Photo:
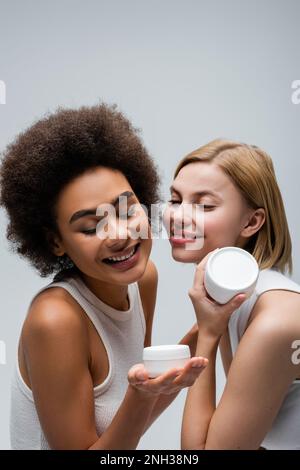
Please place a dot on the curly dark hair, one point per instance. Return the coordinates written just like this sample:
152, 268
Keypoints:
48, 155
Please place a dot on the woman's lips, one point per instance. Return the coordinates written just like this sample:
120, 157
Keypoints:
128, 263
182, 241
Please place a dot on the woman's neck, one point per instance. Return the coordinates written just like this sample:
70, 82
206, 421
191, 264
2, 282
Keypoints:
111, 294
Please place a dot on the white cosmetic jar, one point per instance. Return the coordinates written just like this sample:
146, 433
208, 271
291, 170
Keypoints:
230, 271
159, 359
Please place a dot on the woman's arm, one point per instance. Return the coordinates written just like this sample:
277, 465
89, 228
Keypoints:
258, 379
163, 401
225, 350
148, 289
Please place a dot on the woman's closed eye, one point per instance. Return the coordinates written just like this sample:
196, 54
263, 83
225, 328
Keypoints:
173, 201
205, 206
89, 232
130, 213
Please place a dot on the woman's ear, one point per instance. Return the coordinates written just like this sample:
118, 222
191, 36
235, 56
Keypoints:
57, 249
55, 244
255, 221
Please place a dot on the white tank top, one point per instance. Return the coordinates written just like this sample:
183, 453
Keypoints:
122, 333
285, 431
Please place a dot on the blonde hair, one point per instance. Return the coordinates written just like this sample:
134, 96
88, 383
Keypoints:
251, 170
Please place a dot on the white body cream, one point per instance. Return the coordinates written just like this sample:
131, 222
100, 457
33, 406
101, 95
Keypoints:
160, 359
230, 271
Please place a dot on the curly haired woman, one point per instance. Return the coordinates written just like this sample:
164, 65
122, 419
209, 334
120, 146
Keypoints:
85, 330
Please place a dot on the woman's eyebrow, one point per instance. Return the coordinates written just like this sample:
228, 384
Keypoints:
84, 212
197, 193
173, 190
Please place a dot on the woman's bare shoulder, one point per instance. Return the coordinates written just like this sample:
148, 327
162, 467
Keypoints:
279, 308
53, 312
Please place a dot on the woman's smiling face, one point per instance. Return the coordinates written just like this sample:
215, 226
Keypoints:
225, 212
92, 251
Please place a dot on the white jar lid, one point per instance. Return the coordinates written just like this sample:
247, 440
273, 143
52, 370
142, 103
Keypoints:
232, 268
167, 351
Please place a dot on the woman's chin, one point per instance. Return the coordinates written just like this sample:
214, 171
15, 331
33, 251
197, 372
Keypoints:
185, 256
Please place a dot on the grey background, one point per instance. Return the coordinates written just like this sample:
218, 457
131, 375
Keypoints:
185, 72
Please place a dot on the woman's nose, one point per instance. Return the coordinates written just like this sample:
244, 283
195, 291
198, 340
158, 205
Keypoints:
182, 216
118, 231
116, 245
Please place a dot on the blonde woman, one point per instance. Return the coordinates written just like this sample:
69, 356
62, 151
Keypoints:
260, 405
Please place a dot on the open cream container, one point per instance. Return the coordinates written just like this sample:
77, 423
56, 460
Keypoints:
159, 359
230, 271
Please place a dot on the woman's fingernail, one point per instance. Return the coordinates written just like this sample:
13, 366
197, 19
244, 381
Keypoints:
197, 365
140, 376
238, 301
